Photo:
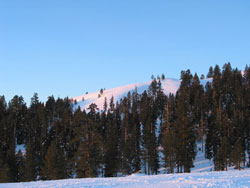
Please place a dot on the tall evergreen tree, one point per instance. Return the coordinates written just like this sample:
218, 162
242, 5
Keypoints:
185, 129
111, 159
148, 117
54, 164
169, 136
34, 147
238, 154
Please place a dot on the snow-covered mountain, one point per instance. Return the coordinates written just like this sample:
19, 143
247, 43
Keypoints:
168, 86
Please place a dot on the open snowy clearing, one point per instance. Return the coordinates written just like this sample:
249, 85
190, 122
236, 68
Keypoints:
205, 179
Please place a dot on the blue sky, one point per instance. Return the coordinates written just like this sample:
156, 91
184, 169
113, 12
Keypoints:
65, 48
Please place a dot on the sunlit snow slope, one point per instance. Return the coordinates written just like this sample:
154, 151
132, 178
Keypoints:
204, 179
168, 86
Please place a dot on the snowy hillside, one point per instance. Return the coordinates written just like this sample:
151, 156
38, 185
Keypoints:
168, 86
204, 179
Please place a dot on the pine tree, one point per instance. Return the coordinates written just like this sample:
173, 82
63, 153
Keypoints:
136, 133
88, 156
83, 162
20, 165
196, 102
14, 134
54, 163
148, 117
169, 136
125, 139
214, 114
163, 76
237, 154
111, 159
90, 151
185, 129
76, 134
246, 107
210, 73
30, 173
221, 158
169, 144
35, 148
18, 111
5, 173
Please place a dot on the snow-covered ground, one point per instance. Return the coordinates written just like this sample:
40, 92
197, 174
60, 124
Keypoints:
168, 86
201, 164
227, 179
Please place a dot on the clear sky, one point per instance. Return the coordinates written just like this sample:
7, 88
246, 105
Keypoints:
67, 47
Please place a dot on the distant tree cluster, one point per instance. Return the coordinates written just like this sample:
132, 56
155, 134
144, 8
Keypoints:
140, 133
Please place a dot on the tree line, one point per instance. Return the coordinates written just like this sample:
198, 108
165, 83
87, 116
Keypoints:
140, 133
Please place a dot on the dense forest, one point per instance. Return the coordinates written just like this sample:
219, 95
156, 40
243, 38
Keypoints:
140, 133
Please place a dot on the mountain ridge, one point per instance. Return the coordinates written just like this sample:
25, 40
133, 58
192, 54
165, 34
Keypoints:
169, 85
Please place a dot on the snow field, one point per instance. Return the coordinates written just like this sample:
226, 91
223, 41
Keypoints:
226, 179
